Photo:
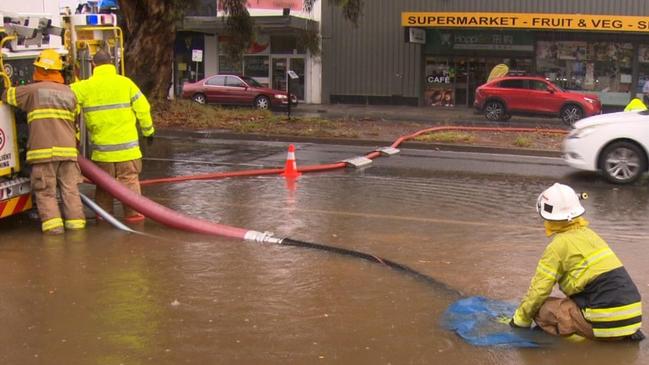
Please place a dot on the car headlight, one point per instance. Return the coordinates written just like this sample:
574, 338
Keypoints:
280, 96
581, 133
592, 101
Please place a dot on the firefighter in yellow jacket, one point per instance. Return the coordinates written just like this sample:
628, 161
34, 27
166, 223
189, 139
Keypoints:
112, 105
51, 146
602, 301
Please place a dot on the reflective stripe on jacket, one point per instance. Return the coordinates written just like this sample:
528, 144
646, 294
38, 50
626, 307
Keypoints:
51, 115
111, 105
582, 263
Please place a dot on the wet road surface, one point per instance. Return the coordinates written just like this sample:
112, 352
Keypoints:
468, 220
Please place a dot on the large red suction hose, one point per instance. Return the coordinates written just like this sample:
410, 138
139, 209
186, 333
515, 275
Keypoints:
170, 218
156, 211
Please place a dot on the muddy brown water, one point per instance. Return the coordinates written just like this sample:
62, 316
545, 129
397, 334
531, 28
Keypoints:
106, 297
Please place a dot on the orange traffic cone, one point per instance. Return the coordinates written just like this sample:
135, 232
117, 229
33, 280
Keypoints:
290, 169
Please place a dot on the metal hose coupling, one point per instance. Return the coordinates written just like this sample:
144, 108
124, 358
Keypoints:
583, 195
262, 237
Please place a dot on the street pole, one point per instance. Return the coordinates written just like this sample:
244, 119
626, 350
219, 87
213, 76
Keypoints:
288, 79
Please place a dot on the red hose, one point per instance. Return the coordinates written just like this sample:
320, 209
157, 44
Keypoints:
152, 209
338, 165
180, 221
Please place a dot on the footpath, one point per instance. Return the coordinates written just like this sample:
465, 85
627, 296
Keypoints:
460, 115
380, 125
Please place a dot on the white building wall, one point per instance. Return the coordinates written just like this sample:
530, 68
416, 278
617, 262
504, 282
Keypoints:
313, 65
211, 55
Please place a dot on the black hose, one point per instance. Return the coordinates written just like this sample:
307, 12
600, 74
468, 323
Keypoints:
375, 259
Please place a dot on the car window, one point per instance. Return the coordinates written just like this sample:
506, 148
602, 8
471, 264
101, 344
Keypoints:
538, 85
250, 81
513, 84
216, 81
234, 81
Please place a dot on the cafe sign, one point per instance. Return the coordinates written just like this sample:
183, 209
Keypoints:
585, 22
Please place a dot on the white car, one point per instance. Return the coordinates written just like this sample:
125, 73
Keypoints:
615, 144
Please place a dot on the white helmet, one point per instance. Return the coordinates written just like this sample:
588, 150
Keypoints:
559, 203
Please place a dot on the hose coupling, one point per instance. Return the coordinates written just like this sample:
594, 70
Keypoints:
583, 195
262, 237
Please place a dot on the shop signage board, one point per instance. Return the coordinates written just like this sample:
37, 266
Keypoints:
275, 4
585, 22
416, 35
453, 40
197, 55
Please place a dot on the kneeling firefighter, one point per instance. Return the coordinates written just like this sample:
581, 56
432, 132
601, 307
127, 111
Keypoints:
602, 301
52, 145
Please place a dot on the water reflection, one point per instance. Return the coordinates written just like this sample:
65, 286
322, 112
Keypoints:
107, 297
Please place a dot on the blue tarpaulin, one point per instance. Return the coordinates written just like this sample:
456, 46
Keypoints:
479, 321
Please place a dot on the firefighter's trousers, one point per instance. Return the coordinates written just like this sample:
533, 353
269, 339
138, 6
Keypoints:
127, 173
562, 317
45, 178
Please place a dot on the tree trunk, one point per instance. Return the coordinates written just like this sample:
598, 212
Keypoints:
150, 32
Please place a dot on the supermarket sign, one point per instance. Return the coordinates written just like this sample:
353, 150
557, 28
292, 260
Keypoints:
609, 23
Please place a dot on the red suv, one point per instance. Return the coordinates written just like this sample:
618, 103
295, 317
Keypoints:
230, 89
499, 99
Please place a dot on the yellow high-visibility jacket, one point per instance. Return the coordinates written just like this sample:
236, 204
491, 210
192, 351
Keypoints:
590, 273
111, 105
635, 104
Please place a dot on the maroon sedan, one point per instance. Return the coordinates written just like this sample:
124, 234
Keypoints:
230, 89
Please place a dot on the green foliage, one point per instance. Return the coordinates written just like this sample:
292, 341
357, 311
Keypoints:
240, 25
446, 137
239, 28
310, 39
352, 9
523, 141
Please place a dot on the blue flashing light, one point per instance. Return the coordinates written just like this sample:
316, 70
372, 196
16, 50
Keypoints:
92, 19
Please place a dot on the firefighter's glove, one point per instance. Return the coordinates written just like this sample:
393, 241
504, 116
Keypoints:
512, 324
149, 140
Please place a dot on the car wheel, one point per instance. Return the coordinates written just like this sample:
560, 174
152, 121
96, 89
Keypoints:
199, 98
570, 114
623, 162
262, 102
494, 111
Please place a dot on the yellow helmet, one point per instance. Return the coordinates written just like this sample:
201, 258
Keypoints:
49, 59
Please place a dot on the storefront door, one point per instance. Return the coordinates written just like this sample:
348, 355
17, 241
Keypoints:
470, 73
279, 77
473, 72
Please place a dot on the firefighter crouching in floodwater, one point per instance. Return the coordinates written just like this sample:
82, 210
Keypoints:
51, 109
111, 106
602, 301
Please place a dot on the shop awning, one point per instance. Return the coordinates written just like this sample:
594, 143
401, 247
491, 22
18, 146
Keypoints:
269, 24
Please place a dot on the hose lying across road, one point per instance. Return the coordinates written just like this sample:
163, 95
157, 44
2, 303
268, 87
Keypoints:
173, 219
339, 165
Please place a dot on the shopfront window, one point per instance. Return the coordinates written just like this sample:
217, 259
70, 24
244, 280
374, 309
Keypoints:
228, 66
643, 70
440, 77
601, 67
257, 67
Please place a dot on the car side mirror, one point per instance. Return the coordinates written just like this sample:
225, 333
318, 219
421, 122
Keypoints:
551, 91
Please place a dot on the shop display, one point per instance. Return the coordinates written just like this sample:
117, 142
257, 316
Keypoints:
439, 84
593, 66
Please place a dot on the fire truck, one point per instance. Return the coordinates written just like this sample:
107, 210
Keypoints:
27, 28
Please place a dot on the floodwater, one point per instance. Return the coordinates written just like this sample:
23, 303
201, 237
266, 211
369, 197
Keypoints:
106, 297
